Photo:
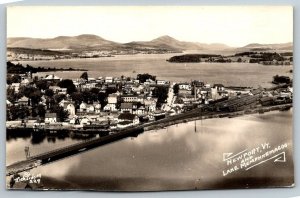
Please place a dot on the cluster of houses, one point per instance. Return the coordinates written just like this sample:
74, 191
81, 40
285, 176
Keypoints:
278, 96
133, 101
198, 92
17, 55
130, 102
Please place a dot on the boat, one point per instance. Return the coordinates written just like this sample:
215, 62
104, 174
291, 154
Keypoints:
83, 149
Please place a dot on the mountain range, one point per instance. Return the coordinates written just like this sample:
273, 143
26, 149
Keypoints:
94, 42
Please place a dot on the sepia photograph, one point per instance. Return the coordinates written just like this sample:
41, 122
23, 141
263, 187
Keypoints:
149, 98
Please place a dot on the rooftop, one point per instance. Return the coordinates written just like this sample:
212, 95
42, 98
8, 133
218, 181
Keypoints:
126, 105
50, 115
126, 116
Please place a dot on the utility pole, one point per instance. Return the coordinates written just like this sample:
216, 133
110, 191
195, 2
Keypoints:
27, 152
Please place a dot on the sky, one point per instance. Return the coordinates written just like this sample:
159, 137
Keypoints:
232, 25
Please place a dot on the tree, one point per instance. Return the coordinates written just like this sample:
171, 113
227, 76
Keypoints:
281, 79
42, 84
49, 92
41, 111
119, 101
16, 112
143, 77
59, 98
111, 90
161, 92
87, 96
61, 114
13, 79
94, 94
32, 93
84, 76
11, 95
102, 98
35, 97
67, 83
77, 97
176, 88
94, 90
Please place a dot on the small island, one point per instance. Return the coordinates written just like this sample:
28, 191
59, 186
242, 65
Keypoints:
264, 58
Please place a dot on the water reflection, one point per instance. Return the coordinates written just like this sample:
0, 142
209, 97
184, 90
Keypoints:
38, 142
183, 156
41, 136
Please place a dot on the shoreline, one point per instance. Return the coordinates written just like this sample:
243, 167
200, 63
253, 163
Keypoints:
259, 110
57, 154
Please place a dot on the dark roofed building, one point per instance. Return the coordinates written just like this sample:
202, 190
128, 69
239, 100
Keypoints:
126, 116
198, 83
256, 91
267, 101
218, 85
126, 107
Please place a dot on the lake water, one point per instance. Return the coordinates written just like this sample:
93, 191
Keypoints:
230, 74
183, 156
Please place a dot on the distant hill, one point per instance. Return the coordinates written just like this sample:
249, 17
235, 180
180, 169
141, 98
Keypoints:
90, 42
171, 43
261, 47
84, 41
94, 42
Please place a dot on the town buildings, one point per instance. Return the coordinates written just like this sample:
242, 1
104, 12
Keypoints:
118, 102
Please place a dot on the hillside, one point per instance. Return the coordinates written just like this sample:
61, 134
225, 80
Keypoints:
62, 42
163, 44
93, 42
262, 47
174, 44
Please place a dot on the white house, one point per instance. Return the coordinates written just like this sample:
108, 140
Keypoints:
25, 82
82, 107
71, 109
112, 99
68, 106
185, 86
109, 79
161, 82
140, 110
90, 108
110, 107
150, 104
50, 118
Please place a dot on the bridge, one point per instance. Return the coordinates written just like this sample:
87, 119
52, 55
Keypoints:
57, 154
